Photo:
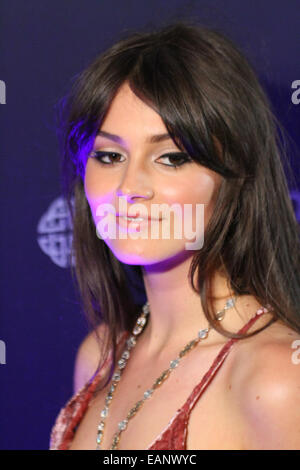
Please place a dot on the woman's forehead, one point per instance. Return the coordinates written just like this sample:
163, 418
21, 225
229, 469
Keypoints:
129, 117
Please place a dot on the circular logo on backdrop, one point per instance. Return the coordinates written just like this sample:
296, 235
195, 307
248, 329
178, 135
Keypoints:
55, 233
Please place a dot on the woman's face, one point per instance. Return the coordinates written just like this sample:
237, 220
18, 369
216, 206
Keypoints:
133, 174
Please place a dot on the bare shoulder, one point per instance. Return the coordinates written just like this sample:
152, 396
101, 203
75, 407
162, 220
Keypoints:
265, 385
87, 357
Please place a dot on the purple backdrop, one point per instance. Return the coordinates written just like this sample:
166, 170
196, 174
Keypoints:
43, 45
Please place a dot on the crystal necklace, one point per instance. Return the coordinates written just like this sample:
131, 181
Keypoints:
131, 342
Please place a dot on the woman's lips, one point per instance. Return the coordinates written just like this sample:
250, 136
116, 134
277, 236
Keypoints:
137, 216
134, 221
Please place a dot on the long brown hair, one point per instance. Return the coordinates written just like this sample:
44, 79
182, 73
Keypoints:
205, 91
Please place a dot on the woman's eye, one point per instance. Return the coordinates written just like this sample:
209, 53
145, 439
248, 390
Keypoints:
179, 159
108, 155
176, 159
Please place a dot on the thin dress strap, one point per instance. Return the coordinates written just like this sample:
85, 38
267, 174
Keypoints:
72, 413
174, 435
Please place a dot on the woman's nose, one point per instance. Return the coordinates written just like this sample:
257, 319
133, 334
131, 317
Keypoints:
135, 184
132, 193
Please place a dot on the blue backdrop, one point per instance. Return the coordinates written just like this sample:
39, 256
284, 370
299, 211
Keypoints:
43, 45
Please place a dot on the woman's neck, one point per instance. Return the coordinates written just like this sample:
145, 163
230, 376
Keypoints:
176, 314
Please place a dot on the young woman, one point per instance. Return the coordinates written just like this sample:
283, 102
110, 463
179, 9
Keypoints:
176, 118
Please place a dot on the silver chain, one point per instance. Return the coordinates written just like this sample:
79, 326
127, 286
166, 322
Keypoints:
131, 342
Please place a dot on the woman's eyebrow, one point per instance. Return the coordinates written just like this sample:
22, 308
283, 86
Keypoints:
152, 139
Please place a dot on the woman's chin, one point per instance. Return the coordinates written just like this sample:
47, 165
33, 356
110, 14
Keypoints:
160, 255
